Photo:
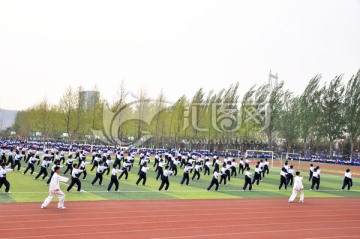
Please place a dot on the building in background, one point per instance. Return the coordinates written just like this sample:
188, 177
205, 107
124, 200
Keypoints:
89, 98
7, 118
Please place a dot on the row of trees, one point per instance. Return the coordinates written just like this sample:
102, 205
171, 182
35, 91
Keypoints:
321, 115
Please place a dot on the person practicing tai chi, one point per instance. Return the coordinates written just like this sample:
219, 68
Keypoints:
311, 172
32, 160
283, 174
198, 167
241, 166
247, 180
298, 188
257, 175
207, 167
142, 175
43, 169
55, 190
223, 174
3, 180
233, 168
114, 179
99, 174
75, 174
215, 181
266, 168
347, 180
290, 176
316, 178
165, 179
186, 177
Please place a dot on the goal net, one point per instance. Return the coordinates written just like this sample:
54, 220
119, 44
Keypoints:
260, 154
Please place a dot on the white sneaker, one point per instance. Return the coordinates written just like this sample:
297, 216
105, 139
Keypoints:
42, 207
301, 201
289, 201
61, 207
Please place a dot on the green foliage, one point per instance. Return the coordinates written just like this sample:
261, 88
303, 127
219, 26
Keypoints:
210, 120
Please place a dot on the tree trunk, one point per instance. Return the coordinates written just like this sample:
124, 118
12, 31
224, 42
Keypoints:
351, 149
331, 150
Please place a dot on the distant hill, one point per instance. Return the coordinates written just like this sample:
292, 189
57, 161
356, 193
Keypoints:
7, 118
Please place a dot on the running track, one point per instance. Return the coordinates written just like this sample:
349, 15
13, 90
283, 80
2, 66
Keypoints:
185, 219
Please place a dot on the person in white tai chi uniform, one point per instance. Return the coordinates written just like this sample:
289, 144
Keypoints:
54, 189
298, 188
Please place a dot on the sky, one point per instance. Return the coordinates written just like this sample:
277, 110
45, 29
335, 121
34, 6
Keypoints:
173, 46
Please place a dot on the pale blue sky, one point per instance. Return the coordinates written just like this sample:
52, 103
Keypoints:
177, 46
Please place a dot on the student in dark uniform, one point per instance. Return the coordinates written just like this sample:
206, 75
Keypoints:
347, 180
17, 161
183, 161
99, 174
2, 155
214, 181
62, 157
159, 169
207, 167
43, 169
241, 166
165, 179
214, 161
32, 160
266, 167
69, 164
10, 158
197, 171
256, 175
97, 159
83, 168
174, 166
228, 168
142, 176
156, 161
186, 177
75, 178
311, 172
247, 180
217, 165
3, 180
233, 168
315, 179
290, 176
114, 179
223, 174
125, 167
118, 159
283, 174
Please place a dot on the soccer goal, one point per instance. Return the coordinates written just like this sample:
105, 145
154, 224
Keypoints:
260, 154
291, 157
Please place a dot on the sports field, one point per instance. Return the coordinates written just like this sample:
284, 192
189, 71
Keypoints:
25, 189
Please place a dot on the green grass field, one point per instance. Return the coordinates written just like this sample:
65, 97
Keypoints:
25, 189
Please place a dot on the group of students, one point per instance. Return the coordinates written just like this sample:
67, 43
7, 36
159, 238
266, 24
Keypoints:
165, 165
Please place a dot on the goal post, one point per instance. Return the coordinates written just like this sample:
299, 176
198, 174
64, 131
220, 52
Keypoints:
291, 156
260, 154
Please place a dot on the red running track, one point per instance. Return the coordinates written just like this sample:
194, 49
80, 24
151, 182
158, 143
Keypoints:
182, 219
